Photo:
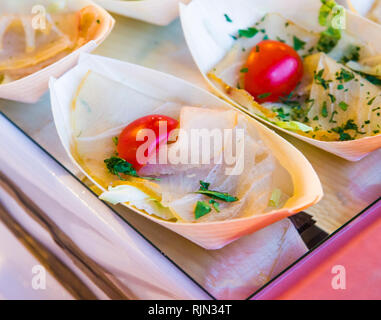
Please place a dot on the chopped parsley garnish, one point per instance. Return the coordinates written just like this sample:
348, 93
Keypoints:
202, 209
280, 40
343, 135
248, 33
371, 79
115, 140
353, 54
117, 166
204, 185
319, 79
332, 97
350, 125
264, 95
345, 75
227, 18
370, 102
244, 70
343, 106
204, 189
298, 43
328, 39
340, 87
281, 114
291, 103
266, 37
324, 111
331, 119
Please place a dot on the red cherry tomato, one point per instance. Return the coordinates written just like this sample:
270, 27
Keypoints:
274, 70
128, 145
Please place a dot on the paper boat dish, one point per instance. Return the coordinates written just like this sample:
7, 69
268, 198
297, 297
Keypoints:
159, 12
306, 187
209, 39
30, 88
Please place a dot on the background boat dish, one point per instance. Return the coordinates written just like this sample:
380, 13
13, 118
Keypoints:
209, 32
160, 12
307, 188
362, 7
370, 9
30, 88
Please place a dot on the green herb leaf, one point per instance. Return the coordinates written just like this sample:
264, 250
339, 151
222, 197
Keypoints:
280, 113
320, 80
115, 140
227, 18
218, 195
248, 33
332, 115
117, 166
345, 75
324, 111
349, 125
332, 97
244, 70
343, 106
298, 43
328, 39
370, 102
204, 185
204, 189
280, 40
264, 95
352, 54
372, 79
202, 209
215, 205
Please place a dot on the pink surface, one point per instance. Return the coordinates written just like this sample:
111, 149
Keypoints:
357, 248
